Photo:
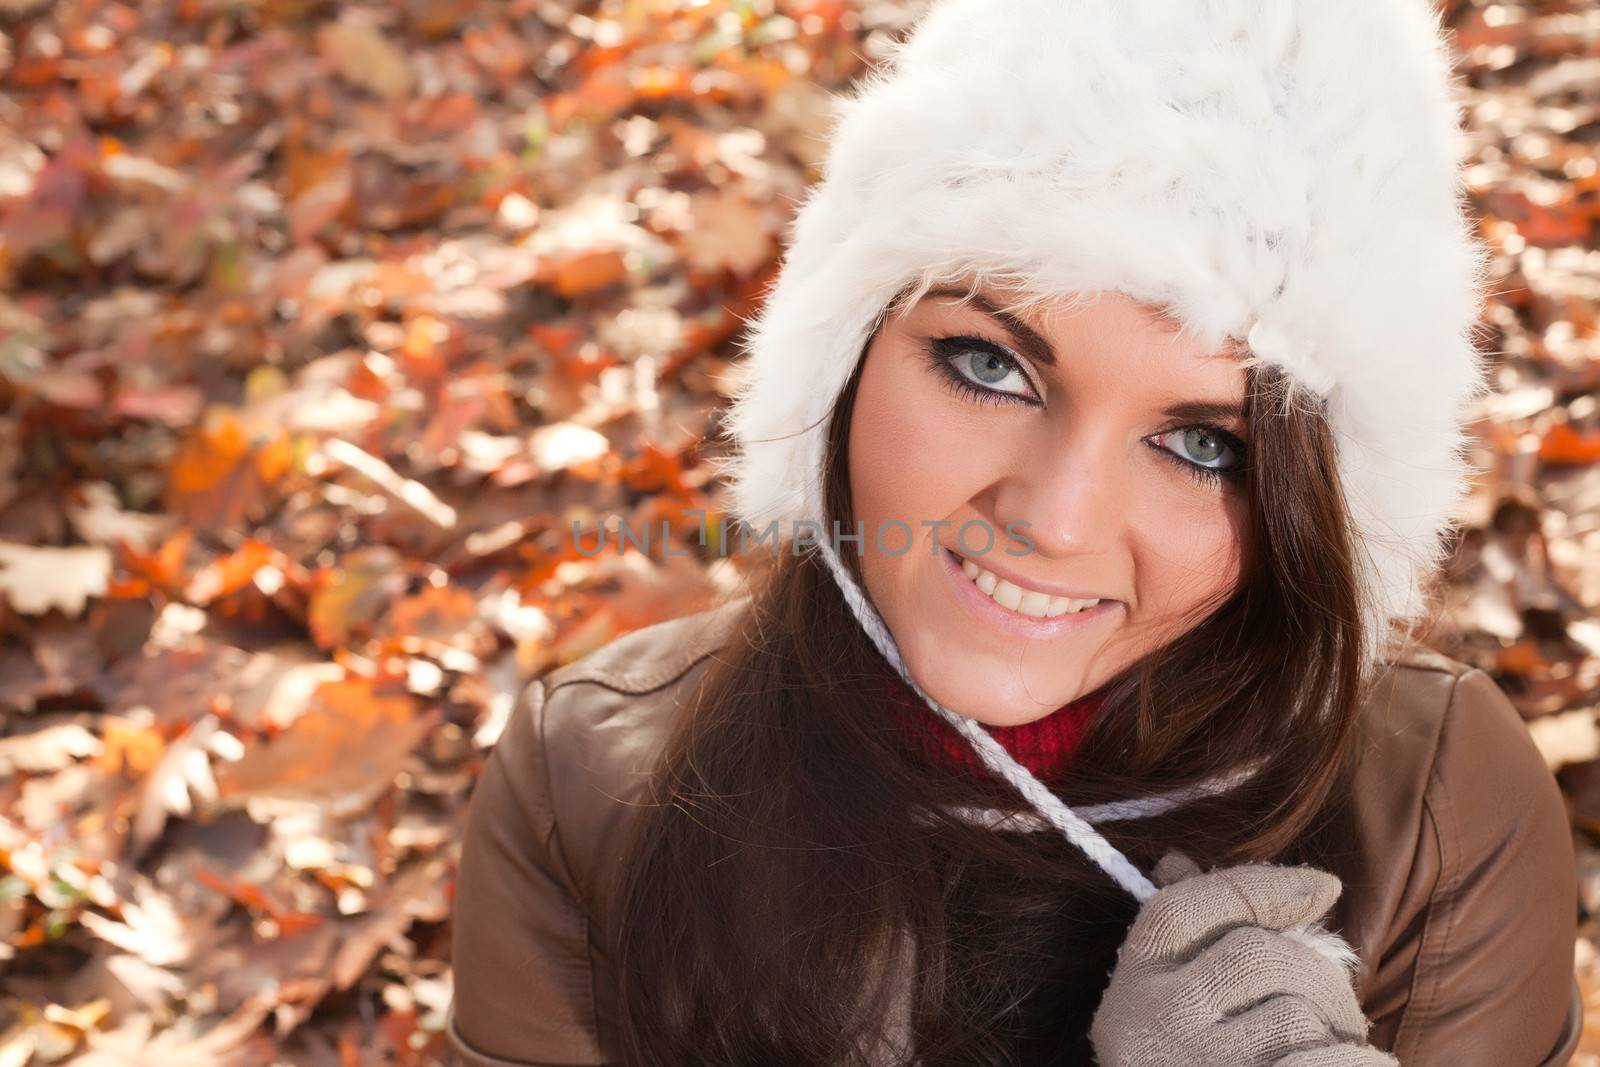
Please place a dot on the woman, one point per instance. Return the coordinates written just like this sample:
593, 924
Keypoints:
1130, 343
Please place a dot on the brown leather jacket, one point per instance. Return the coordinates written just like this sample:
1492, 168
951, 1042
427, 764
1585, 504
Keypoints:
1462, 904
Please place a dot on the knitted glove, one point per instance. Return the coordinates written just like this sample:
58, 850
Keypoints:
1220, 967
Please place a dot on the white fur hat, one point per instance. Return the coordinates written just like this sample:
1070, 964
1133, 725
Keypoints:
1280, 172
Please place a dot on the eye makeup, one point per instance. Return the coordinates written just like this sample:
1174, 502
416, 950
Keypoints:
943, 355
1203, 474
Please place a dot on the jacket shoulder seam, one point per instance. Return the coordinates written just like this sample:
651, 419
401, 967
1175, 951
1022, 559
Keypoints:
709, 634
534, 696
557, 850
633, 684
1420, 999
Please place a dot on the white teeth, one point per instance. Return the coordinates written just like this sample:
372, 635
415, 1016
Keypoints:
1007, 595
1023, 601
1035, 604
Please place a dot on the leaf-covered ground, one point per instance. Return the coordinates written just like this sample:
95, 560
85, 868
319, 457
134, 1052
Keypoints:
320, 325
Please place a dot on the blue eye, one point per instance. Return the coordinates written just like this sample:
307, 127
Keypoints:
980, 370
1209, 453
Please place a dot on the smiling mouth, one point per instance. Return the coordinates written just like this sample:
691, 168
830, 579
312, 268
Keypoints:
1023, 601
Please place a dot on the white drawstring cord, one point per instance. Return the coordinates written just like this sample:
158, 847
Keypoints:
1110, 811
1075, 828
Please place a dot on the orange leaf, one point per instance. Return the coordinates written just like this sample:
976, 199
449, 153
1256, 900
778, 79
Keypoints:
210, 454
231, 573
220, 475
1564, 445
663, 83
655, 471
274, 459
128, 747
585, 272
252, 897
1522, 658
352, 740
558, 340
163, 568
349, 599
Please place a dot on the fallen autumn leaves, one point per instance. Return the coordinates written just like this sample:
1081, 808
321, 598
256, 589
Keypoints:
321, 325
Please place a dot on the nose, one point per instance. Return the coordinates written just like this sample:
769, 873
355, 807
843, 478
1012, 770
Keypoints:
1068, 495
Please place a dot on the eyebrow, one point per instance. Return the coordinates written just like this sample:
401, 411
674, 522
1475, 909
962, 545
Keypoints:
1032, 343
1038, 349
1206, 409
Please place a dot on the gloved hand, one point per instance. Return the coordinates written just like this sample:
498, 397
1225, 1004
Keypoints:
1212, 972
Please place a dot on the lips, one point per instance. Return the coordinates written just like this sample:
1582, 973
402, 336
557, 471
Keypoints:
1025, 601
983, 609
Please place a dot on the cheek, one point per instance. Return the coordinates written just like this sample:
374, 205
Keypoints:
913, 455
1190, 552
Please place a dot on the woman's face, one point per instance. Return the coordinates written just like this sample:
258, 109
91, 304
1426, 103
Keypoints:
1007, 468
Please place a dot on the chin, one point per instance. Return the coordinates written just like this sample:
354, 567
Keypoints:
995, 699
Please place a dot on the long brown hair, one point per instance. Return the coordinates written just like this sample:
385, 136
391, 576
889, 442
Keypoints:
795, 838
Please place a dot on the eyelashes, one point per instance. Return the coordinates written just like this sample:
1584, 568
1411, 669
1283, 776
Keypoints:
942, 352
1210, 475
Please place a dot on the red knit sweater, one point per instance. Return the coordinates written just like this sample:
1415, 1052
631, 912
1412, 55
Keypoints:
1045, 746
